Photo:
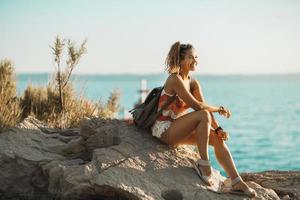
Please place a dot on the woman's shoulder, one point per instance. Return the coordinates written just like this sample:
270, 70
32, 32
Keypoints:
174, 78
171, 82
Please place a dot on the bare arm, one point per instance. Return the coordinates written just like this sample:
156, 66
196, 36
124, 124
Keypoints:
198, 94
188, 98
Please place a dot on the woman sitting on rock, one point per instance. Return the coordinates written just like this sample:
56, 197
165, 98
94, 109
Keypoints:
199, 127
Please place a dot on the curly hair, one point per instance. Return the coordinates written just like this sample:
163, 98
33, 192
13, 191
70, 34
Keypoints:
176, 54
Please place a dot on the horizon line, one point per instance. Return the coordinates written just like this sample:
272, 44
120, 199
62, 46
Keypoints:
161, 73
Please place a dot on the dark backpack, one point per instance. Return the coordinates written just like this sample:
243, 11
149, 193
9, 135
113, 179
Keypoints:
145, 114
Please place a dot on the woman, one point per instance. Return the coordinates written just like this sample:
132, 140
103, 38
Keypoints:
199, 127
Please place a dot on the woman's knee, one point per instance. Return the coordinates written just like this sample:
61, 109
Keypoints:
204, 115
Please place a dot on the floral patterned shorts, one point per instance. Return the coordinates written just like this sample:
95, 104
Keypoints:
159, 127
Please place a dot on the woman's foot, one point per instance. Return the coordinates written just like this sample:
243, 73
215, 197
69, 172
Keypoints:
240, 187
204, 171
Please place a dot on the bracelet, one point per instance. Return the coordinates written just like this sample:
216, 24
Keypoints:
221, 108
219, 128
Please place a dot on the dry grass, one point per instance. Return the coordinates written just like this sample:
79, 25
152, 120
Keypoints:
43, 103
57, 104
112, 106
9, 104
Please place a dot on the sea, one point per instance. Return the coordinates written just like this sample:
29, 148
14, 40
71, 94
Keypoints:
264, 127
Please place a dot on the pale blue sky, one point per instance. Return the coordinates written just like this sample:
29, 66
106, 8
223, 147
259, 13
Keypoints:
134, 36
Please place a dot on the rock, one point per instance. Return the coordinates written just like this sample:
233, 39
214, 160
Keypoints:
21, 154
285, 183
100, 133
97, 133
31, 123
104, 159
75, 146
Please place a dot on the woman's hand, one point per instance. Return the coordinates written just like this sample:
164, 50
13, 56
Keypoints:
223, 134
224, 112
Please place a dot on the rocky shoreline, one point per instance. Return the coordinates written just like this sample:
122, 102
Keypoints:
108, 159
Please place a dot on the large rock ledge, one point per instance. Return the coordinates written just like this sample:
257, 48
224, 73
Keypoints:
284, 183
107, 159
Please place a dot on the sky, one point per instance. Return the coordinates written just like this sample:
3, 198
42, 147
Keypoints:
134, 36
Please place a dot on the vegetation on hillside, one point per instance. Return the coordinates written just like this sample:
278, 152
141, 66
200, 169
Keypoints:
9, 103
57, 104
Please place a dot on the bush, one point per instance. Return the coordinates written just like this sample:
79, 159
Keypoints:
9, 104
43, 103
112, 106
58, 104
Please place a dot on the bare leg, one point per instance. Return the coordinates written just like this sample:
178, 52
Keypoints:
203, 131
183, 127
223, 156
222, 152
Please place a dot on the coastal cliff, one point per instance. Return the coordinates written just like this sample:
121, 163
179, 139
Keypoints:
109, 159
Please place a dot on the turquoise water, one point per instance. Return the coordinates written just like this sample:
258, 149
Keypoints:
265, 122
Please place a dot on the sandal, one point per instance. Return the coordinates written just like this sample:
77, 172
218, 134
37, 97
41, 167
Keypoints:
197, 166
248, 192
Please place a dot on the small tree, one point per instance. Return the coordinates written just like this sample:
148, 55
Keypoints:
74, 55
62, 77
